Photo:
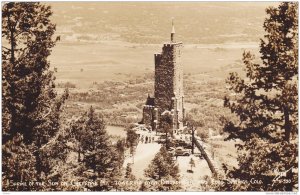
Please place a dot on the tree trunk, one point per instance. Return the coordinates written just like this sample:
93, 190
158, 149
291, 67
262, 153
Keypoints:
38, 163
132, 158
287, 124
287, 128
79, 151
13, 123
166, 139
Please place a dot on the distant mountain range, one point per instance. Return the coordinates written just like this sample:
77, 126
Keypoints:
150, 22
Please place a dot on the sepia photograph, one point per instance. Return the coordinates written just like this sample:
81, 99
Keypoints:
149, 96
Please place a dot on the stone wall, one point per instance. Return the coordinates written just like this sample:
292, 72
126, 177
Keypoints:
178, 81
168, 87
164, 71
148, 115
169, 81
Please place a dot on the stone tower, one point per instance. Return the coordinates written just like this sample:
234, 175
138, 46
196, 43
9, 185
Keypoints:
168, 87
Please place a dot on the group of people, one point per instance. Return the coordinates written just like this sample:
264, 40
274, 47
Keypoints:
146, 139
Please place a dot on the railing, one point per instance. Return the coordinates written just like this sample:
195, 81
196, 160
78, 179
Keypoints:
204, 154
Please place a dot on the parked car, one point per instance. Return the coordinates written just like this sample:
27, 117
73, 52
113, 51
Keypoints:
173, 143
180, 143
171, 150
161, 140
180, 151
188, 146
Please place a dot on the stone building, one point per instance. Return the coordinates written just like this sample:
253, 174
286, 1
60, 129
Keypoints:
168, 87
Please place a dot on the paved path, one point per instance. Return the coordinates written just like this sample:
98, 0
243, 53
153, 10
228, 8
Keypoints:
192, 181
146, 152
143, 157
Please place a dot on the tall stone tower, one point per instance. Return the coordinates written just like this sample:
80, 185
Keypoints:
168, 87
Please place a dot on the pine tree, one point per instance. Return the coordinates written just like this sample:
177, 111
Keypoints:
166, 125
163, 168
128, 174
31, 108
143, 187
100, 157
132, 140
120, 149
77, 131
130, 184
266, 104
18, 165
28, 84
52, 157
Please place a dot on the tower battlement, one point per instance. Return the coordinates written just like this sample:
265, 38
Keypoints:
170, 45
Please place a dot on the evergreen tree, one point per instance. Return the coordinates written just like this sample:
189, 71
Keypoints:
31, 108
167, 125
163, 168
53, 156
18, 165
120, 149
143, 187
132, 140
100, 157
128, 174
28, 84
77, 131
266, 104
130, 180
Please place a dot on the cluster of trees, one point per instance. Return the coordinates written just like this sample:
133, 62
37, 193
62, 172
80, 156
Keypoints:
267, 108
132, 140
100, 161
30, 106
164, 172
34, 142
